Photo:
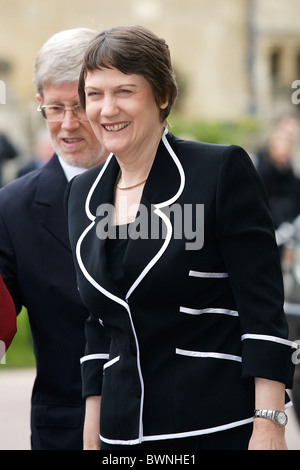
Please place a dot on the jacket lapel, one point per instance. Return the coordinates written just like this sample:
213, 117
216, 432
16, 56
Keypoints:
163, 187
48, 201
90, 248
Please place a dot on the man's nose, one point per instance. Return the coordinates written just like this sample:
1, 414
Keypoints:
70, 121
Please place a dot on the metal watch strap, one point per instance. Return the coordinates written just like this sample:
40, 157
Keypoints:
268, 414
272, 415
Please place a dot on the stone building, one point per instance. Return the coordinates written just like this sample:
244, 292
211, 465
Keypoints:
233, 58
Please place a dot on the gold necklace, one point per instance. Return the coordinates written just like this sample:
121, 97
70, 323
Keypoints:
129, 187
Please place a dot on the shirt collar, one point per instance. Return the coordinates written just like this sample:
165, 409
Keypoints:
70, 170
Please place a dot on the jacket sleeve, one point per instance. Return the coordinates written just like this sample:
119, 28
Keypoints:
96, 355
246, 237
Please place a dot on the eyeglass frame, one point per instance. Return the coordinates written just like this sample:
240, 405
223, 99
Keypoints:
40, 108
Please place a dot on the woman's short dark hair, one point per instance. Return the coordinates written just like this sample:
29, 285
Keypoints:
133, 50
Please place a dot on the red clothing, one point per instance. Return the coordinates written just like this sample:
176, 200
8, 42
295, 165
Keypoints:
8, 318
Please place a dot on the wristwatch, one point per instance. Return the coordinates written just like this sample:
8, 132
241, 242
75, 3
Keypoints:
277, 416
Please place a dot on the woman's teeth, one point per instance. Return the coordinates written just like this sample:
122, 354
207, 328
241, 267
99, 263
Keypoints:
71, 141
116, 127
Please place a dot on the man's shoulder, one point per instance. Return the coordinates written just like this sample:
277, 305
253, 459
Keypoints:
20, 185
20, 190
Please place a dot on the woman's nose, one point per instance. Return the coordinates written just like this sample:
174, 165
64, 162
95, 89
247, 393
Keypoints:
109, 107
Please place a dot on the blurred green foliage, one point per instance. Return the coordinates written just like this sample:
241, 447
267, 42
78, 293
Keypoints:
20, 352
245, 132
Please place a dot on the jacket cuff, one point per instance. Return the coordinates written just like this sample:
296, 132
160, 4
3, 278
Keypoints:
268, 357
92, 374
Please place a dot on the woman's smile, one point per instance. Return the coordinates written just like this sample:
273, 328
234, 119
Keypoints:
116, 127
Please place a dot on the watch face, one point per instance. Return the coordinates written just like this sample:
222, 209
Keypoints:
281, 418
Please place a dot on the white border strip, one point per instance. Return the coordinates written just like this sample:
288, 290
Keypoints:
223, 311
275, 339
215, 355
158, 254
179, 435
208, 275
93, 187
91, 357
110, 363
163, 216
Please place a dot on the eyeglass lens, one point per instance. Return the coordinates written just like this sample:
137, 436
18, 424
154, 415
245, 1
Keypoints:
57, 113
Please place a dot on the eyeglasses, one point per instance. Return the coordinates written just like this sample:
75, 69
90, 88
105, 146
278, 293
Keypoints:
57, 113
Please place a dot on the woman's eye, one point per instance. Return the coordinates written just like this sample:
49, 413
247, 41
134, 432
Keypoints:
90, 94
123, 91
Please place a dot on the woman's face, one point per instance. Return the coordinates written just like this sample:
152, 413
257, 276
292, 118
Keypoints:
122, 111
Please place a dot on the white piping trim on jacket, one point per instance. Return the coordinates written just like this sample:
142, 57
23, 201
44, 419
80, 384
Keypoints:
275, 339
111, 362
163, 216
158, 254
147, 268
180, 170
91, 357
199, 432
207, 275
88, 276
223, 311
115, 299
92, 189
98, 286
215, 355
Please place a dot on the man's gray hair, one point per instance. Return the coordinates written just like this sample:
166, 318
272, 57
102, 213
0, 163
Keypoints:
60, 58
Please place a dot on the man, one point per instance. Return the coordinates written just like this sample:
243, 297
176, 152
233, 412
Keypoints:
35, 257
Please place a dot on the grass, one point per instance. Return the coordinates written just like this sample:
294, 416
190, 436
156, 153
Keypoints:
20, 353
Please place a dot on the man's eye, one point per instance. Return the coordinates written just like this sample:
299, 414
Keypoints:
55, 109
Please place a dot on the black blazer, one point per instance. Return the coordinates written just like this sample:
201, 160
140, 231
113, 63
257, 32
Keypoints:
179, 351
37, 266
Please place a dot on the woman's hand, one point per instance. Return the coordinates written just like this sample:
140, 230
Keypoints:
269, 395
267, 436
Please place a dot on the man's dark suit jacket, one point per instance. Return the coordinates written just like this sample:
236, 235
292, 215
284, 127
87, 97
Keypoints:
37, 267
193, 326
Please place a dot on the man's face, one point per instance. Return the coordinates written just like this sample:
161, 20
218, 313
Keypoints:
73, 140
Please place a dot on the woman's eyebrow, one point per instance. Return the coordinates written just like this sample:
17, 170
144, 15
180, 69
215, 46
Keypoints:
122, 85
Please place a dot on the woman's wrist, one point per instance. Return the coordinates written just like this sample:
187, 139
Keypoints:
267, 425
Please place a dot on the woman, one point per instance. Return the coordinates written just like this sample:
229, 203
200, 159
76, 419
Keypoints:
177, 262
